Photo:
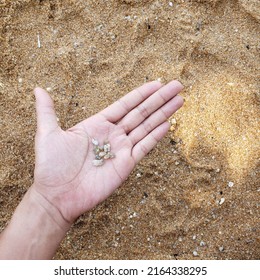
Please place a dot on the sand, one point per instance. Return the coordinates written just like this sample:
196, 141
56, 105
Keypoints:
198, 190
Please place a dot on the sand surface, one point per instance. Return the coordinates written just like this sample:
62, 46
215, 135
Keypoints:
196, 196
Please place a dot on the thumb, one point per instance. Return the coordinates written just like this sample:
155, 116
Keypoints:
46, 116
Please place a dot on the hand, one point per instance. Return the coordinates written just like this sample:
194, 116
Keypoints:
64, 173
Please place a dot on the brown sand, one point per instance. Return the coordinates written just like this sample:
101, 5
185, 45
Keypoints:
199, 189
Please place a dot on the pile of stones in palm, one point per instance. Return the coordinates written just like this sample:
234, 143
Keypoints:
101, 152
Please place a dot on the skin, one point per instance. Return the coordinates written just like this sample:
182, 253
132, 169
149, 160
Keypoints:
66, 184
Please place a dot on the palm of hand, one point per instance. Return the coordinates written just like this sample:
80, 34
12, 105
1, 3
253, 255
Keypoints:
67, 170
64, 173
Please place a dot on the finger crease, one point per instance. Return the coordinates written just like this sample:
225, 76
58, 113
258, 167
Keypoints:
123, 105
143, 111
147, 127
163, 98
143, 149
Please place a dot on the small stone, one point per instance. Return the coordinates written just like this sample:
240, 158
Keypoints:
96, 150
217, 170
109, 155
173, 121
221, 248
180, 239
102, 154
94, 142
195, 253
177, 163
107, 147
170, 4
222, 200
230, 184
194, 237
202, 243
49, 89
20, 80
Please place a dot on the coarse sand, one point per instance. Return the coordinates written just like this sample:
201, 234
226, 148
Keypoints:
198, 190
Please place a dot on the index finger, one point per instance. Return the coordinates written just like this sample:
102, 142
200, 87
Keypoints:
125, 104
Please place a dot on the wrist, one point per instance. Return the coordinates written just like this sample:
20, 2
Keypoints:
35, 230
47, 209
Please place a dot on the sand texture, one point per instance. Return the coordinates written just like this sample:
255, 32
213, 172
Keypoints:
196, 195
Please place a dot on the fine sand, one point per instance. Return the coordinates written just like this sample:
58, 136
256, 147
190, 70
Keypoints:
196, 195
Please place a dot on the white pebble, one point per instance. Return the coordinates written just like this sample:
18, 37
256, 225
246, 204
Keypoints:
194, 237
173, 121
49, 89
94, 142
230, 184
138, 175
102, 154
170, 4
222, 200
195, 253
20, 80
221, 248
38, 41
107, 148
202, 243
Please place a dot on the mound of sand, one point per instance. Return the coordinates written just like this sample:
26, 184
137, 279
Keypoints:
197, 191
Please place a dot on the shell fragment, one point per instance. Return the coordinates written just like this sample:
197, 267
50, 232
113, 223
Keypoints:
107, 148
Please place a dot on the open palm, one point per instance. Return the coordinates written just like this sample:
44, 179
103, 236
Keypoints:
64, 170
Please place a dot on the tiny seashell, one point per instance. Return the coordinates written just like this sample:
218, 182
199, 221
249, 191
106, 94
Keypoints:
98, 162
109, 155
101, 154
112, 155
107, 148
94, 142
